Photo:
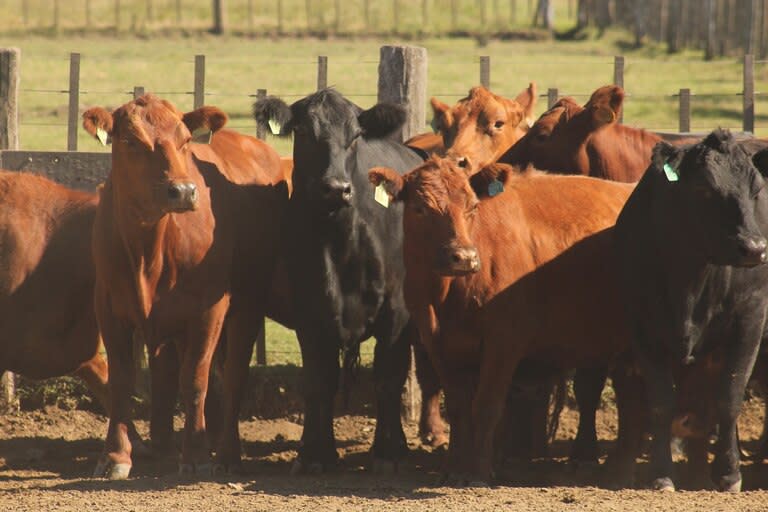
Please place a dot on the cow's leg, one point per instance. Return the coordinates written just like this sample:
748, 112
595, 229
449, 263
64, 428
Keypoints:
632, 407
320, 364
697, 452
202, 336
242, 328
94, 373
487, 408
164, 370
115, 462
740, 358
390, 369
431, 424
460, 385
588, 386
661, 403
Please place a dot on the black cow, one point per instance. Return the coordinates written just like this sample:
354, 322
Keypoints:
344, 257
691, 246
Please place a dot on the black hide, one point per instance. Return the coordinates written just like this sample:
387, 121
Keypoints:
345, 261
691, 254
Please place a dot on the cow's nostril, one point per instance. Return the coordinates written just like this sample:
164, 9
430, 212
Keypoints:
174, 192
456, 257
347, 190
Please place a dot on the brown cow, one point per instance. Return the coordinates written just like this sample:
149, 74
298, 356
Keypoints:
479, 127
491, 280
185, 233
588, 140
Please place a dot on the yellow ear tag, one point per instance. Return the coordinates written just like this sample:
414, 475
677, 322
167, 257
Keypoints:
101, 134
380, 195
202, 135
274, 127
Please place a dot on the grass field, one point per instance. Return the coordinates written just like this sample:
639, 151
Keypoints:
237, 67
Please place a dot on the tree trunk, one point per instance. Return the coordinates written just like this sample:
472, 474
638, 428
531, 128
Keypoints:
709, 14
603, 14
673, 25
544, 12
219, 21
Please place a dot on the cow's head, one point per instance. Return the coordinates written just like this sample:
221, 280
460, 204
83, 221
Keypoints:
151, 152
325, 126
558, 141
480, 127
719, 188
441, 202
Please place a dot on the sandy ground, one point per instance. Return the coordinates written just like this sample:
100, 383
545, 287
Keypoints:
46, 457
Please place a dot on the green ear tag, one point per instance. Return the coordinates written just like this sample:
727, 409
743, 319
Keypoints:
202, 135
101, 134
274, 127
380, 195
495, 188
435, 125
670, 172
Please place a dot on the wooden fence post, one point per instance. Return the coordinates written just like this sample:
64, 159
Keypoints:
552, 95
749, 94
322, 72
9, 98
199, 81
74, 101
403, 80
219, 17
9, 139
618, 78
261, 133
485, 72
685, 110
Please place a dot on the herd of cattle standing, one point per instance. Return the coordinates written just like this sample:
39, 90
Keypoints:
646, 264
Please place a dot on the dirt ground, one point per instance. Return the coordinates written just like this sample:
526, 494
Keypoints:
46, 457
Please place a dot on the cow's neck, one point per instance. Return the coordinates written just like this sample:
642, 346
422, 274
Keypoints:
147, 246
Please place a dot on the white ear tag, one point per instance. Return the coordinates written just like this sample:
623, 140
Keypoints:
101, 134
202, 135
670, 173
380, 195
274, 127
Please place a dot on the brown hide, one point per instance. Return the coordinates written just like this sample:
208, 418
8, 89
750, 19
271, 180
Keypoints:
588, 140
479, 127
185, 234
46, 282
544, 289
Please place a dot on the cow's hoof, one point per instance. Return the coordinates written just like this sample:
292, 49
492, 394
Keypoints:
300, 467
727, 486
111, 470
433, 440
227, 469
663, 484
384, 466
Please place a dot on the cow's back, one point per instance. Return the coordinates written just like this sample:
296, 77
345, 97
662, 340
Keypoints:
46, 274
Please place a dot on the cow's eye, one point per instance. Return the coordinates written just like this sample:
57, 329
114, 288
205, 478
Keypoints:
498, 124
472, 209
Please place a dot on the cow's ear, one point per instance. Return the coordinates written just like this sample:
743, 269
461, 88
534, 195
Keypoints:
98, 122
381, 120
390, 180
273, 114
491, 179
606, 104
527, 100
760, 159
666, 159
205, 119
441, 118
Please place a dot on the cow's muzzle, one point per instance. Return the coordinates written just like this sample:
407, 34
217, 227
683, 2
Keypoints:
337, 193
460, 261
753, 251
182, 196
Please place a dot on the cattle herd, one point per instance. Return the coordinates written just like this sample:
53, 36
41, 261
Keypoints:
502, 249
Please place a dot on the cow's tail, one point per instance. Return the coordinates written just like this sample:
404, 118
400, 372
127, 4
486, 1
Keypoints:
350, 371
558, 402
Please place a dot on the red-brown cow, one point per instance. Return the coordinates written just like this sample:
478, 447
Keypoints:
46, 282
588, 140
479, 127
501, 266
185, 233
